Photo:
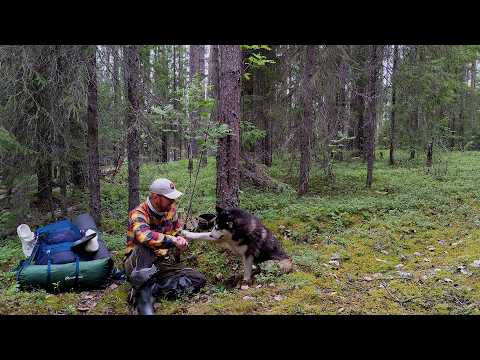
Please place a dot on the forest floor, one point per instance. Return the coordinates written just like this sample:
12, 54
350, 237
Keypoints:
410, 245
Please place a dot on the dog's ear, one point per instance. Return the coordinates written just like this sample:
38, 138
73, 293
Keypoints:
219, 209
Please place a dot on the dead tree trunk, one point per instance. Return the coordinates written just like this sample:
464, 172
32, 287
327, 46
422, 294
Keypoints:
228, 152
92, 135
132, 80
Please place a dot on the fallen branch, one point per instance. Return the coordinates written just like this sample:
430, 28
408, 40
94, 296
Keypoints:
394, 297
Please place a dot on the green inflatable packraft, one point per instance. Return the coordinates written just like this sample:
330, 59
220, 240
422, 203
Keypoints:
91, 275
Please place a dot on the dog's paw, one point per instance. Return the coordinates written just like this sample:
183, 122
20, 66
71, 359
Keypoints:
286, 265
245, 284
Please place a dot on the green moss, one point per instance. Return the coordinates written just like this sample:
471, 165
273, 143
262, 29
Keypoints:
371, 231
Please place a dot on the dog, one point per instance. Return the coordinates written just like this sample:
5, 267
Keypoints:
244, 234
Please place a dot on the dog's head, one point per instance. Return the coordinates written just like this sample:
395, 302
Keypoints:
225, 219
223, 223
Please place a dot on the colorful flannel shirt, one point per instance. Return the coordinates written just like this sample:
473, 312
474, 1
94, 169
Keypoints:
155, 231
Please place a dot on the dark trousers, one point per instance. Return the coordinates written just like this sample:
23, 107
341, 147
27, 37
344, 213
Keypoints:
169, 279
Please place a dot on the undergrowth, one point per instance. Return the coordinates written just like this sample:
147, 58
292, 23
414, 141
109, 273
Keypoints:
406, 246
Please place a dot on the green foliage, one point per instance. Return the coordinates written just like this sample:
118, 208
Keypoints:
431, 80
7, 220
250, 134
9, 144
193, 102
256, 58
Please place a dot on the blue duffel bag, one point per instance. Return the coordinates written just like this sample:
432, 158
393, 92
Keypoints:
55, 241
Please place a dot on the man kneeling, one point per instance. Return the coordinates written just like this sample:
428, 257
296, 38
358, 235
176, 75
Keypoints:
149, 261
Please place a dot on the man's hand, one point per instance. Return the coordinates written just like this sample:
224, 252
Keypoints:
181, 243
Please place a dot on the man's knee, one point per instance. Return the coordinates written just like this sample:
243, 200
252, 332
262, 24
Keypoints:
198, 279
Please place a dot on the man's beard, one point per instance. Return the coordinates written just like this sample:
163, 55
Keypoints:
154, 210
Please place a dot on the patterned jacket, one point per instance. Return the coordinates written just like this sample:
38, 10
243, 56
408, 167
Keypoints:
155, 231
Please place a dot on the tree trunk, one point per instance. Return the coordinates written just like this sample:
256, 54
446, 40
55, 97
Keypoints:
429, 154
194, 71
177, 134
162, 54
452, 132
374, 64
214, 81
117, 104
43, 97
413, 119
117, 92
267, 141
305, 140
228, 152
76, 154
473, 75
180, 85
132, 80
359, 108
472, 96
44, 185
463, 103
201, 63
92, 135
392, 118
201, 70
342, 95
359, 101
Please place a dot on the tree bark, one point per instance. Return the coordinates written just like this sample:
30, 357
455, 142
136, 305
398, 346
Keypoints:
117, 104
359, 107
413, 119
201, 71
194, 71
374, 63
429, 154
214, 81
44, 185
177, 151
473, 75
44, 164
178, 84
132, 80
392, 117
92, 135
305, 140
453, 131
117, 92
76, 155
228, 152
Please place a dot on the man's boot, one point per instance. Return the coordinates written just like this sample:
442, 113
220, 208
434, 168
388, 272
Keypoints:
144, 300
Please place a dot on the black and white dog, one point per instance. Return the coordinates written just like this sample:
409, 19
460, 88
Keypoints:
244, 234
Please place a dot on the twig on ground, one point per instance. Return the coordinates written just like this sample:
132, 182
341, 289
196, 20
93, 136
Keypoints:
394, 297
